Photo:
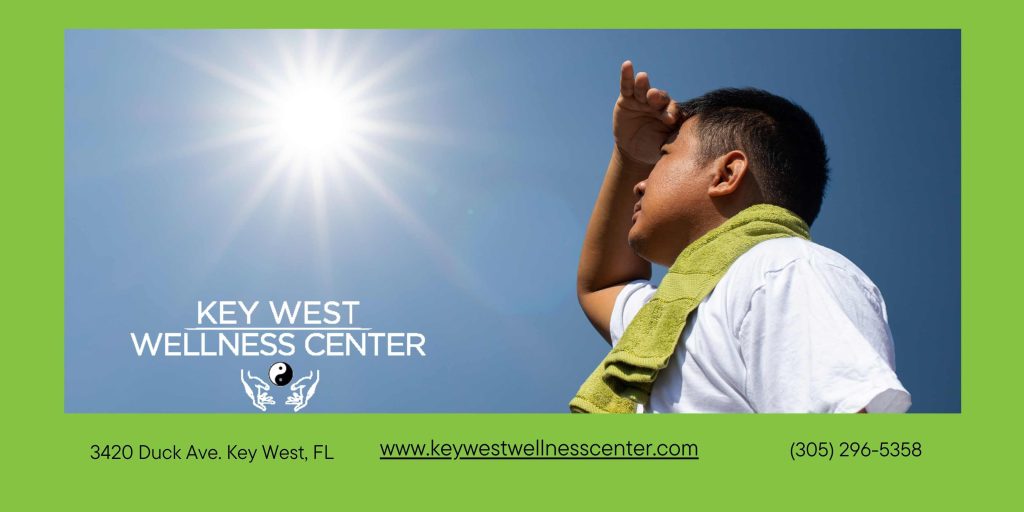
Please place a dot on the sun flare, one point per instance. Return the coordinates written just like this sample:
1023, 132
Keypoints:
318, 118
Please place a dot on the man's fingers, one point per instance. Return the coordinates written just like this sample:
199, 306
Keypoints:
643, 84
670, 115
642, 100
657, 98
668, 110
626, 80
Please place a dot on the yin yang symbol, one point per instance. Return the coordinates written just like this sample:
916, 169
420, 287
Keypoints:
281, 373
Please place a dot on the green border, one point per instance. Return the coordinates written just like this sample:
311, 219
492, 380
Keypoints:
744, 460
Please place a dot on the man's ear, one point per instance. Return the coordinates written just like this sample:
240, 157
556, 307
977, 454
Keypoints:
729, 171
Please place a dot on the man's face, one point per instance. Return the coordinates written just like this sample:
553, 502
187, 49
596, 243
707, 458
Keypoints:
671, 201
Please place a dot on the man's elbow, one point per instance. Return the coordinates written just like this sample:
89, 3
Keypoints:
597, 306
584, 284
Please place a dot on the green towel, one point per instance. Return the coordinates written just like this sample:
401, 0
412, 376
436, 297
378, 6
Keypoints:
625, 376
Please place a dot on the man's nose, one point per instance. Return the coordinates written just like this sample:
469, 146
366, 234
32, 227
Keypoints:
639, 188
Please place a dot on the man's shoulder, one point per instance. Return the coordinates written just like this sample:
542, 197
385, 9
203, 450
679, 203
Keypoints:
773, 256
795, 258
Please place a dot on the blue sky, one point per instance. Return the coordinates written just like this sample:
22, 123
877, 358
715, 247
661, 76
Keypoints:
465, 219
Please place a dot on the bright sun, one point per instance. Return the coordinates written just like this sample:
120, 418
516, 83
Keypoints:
311, 105
314, 117
313, 122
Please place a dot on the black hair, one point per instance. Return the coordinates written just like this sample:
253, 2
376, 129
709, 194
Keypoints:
786, 149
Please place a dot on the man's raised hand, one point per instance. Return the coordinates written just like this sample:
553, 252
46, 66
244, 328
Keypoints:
643, 117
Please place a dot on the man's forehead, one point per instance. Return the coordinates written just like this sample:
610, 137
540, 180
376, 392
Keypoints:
683, 133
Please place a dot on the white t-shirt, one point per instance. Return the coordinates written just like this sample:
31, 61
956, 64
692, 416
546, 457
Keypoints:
792, 327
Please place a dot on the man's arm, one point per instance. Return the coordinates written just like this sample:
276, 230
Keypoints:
607, 262
642, 121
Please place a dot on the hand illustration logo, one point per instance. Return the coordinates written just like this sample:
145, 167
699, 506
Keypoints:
261, 398
298, 399
258, 390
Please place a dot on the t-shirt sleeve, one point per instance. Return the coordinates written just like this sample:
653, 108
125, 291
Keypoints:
627, 304
816, 339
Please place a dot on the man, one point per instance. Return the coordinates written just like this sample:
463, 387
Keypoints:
783, 324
